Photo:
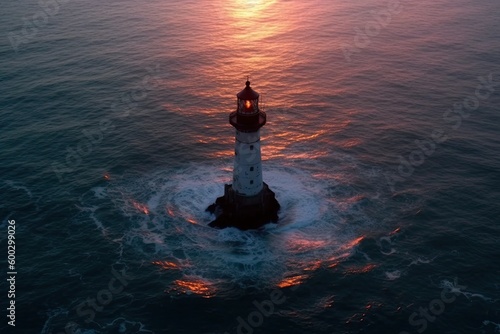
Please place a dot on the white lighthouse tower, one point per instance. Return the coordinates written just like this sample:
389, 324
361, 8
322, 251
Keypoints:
247, 119
247, 203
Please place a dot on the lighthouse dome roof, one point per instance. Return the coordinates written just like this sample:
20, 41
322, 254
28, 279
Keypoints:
248, 93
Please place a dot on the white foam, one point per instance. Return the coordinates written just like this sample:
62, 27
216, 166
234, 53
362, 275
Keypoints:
125, 326
470, 295
392, 251
30, 199
99, 192
494, 324
421, 261
167, 210
457, 289
51, 315
91, 210
18, 186
454, 287
384, 243
393, 275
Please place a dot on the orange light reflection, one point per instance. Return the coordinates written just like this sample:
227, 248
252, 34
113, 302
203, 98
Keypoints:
351, 143
170, 211
395, 231
292, 281
197, 286
141, 207
333, 265
302, 245
191, 220
166, 264
362, 270
355, 199
353, 243
221, 154
313, 266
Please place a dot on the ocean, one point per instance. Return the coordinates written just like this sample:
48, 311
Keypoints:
382, 146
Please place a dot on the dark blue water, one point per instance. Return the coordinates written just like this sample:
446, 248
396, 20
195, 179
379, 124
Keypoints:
382, 146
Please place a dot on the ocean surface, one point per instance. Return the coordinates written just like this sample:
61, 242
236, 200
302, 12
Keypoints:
382, 145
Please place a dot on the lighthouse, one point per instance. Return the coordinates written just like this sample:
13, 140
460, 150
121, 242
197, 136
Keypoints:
248, 203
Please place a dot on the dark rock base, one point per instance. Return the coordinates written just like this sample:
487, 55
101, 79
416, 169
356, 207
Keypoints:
245, 213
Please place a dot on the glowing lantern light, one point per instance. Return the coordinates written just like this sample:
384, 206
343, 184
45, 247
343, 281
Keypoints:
248, 104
